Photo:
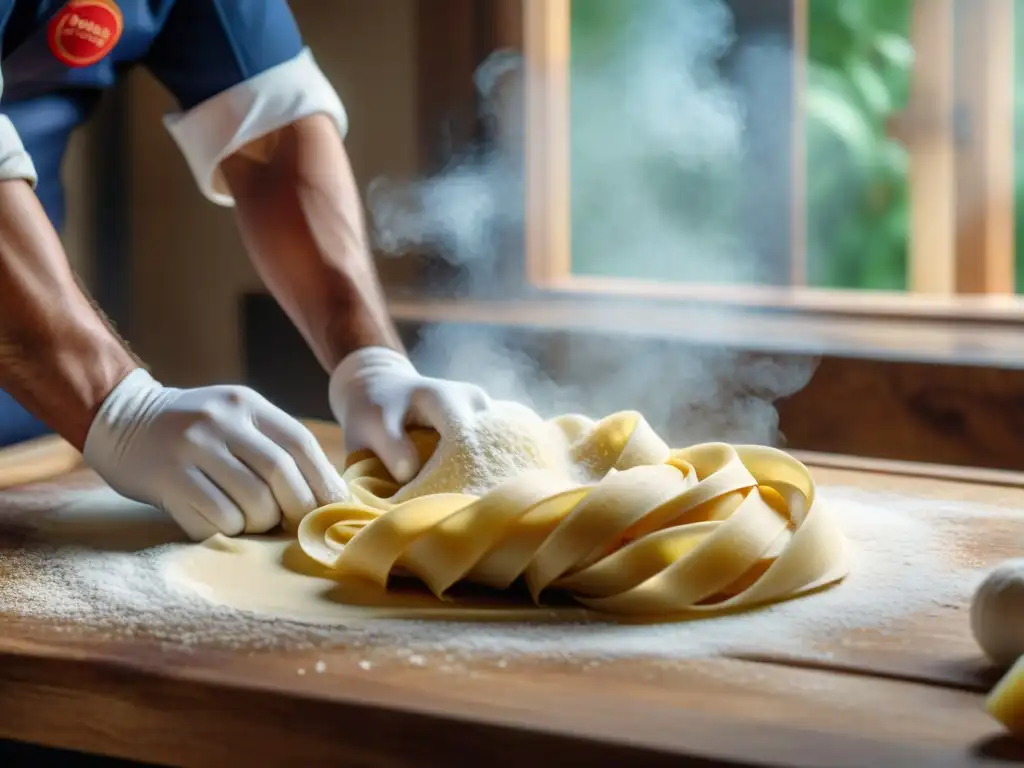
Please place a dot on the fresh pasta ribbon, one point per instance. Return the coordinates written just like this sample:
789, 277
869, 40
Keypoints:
659, 532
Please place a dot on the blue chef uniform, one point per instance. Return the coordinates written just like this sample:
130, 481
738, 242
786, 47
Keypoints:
238, 69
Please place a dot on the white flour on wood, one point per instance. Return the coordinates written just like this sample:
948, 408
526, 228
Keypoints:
99, 563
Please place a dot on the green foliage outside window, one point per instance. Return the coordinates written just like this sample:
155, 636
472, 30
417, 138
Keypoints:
857, 192
857, 180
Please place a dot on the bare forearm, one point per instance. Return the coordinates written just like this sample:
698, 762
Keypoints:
58, 357
301, 218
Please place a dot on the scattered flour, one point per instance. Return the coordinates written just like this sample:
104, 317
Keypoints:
909, 556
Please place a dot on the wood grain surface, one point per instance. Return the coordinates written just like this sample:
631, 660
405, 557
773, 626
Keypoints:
908, 697
37, 460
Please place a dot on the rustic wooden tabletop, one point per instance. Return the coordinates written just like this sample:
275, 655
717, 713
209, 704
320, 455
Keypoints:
911, 695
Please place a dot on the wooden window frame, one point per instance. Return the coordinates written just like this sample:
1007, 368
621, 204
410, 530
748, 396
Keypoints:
958, 130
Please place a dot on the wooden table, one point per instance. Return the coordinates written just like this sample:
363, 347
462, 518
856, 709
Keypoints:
879, 702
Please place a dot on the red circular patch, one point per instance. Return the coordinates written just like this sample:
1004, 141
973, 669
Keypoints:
84, 31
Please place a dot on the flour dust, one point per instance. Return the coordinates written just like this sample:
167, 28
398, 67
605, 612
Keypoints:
65, 570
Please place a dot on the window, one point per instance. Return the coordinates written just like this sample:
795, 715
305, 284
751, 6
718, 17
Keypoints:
863, 228
876, 169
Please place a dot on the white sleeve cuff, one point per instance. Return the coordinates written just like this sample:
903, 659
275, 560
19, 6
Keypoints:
15, 161
223, 124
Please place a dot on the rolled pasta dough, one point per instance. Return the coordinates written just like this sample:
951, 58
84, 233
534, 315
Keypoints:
600, 511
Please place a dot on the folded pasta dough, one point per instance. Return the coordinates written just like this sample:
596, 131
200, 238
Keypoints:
603, 511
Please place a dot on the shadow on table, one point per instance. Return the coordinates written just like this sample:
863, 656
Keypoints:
1003, 747
14, 754
103, 521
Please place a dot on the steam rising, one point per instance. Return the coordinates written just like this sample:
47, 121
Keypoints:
658, 137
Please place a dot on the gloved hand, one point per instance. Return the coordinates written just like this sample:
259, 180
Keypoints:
376, 392
218, 459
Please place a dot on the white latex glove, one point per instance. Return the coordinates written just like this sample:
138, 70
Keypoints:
376, 392
217, 459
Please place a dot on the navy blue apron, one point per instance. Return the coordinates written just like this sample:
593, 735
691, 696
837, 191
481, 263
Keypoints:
195, 48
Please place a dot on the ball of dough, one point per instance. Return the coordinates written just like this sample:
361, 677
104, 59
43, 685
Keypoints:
997, 613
